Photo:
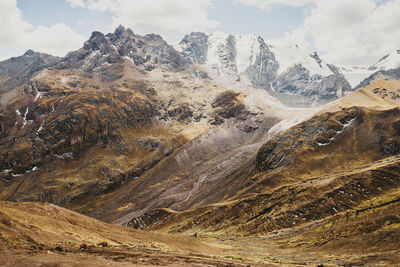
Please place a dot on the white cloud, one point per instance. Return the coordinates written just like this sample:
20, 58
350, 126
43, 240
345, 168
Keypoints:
267, 4
76, 3
17, 35
58, 39
357, 32
11, 22
171, 18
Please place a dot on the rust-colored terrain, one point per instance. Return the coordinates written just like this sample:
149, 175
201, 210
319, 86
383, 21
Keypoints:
148, 161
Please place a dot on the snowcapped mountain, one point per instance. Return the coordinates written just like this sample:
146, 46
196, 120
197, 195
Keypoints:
356, 75
289, 73
294, 76
390, 61
289, 56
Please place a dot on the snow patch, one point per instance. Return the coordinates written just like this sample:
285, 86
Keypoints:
128, 58
391, 61
337, 133
355, 75
283, 125
216, 41
64, 156
178, 48
38, 95
24, 122
291, 55
6, 171
247, 49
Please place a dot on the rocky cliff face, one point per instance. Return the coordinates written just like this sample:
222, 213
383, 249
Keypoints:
105, 54
290, 74
17, 70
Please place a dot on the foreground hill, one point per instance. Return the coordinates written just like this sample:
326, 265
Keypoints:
37, 234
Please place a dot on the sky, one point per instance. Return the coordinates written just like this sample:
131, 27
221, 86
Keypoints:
343, 32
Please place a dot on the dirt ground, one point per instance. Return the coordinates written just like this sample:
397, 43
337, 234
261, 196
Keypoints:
98, 256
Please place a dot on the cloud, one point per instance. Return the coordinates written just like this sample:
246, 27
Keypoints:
17, 35
76, 3
11, 22
58, 39
357, 32
171, 18
267, 4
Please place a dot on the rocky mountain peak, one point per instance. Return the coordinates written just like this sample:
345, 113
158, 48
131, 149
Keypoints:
29, 52
316, 57
16, 70
101, 52
121, 30
194, 45
95, 41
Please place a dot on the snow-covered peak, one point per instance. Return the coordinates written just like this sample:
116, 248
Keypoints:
234, 52
247, 49
217, 42
288, 56
242, 51
355, 75
391, 61
240, 61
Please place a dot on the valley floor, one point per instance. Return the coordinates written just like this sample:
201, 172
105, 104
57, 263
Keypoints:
37, 234
251, 251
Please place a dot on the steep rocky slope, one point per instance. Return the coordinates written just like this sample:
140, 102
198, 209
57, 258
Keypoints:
76, 138
17, 70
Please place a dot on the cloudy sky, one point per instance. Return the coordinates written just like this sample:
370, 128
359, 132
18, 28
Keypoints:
344, 32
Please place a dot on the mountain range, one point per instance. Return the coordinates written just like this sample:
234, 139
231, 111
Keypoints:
250, 152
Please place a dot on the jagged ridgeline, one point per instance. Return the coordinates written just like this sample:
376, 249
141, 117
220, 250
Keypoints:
218, 136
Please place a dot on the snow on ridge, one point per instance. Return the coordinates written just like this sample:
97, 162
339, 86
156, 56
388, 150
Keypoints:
391, 61
288, 56
355, 75
247, 49
215, 42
